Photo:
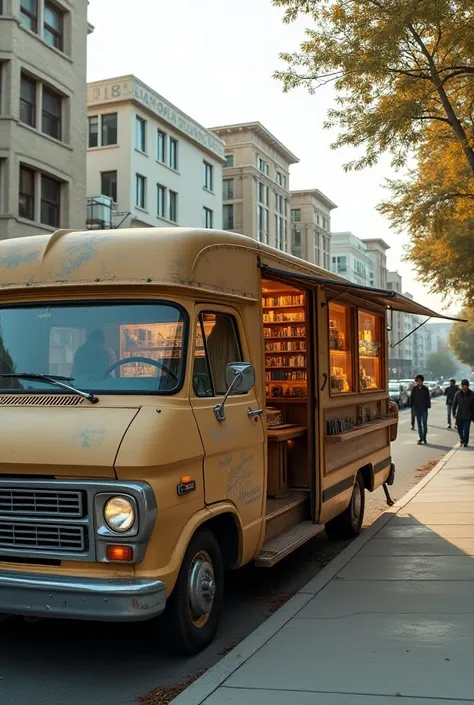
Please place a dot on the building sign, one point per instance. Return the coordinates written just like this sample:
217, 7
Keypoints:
132, 89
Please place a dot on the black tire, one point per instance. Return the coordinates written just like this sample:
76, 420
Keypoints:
187, 633
348, 524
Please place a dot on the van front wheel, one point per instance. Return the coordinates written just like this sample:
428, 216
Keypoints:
193, 610
348, 524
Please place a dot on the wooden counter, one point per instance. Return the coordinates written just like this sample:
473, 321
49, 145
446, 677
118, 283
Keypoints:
277, 485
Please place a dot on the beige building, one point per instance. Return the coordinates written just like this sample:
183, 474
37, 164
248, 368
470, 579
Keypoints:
378, 248
42, 115
148, 163
256, 195
311, 226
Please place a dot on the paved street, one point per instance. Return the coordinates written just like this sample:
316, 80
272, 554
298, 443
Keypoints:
68, 663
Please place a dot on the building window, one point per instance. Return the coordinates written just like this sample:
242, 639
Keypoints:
29, 14
27, 194
160, 201
53, 26
51, 113
228, 189
296, 215
50, 201
173, 206
161, 146
93, 131
140, 134
141, 191
108, 132
278, 178
228, 215
208, 176
208, 217
28, 101
229, 160
340, 264
262, 224
296, 243
108, 184
262, 166
173, 153
109, 129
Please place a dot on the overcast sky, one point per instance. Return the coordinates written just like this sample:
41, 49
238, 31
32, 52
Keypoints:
214, 59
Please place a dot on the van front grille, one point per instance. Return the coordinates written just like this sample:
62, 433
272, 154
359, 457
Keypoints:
42, 537
44, 503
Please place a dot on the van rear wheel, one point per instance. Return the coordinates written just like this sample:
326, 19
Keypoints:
193, 611
348, 524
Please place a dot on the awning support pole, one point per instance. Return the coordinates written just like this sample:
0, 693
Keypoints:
411, 333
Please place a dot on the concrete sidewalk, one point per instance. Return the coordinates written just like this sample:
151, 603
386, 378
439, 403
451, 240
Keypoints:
391, 616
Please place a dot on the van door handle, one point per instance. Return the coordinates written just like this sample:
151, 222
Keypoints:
254, 413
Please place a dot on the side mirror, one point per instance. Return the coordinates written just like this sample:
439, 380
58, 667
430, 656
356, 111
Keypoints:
239, 377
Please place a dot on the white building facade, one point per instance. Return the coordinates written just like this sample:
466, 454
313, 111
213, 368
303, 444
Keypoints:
43, 52
352, 259
155, 164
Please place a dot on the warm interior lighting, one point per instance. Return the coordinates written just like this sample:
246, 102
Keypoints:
119, 553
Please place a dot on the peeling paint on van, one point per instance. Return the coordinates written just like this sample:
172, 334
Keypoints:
89, 437
16, 258
78, 253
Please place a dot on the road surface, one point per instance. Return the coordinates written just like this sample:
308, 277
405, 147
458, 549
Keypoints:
74, 663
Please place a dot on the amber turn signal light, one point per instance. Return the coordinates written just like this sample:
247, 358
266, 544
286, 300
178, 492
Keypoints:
119, 553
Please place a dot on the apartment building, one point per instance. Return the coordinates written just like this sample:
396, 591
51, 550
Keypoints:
351, 258
378, 250
148, 163
43, 48
311, 226
256, 189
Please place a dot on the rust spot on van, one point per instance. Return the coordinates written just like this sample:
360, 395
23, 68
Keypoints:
140, 606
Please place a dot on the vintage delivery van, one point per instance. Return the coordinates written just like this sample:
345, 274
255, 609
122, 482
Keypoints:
175, 403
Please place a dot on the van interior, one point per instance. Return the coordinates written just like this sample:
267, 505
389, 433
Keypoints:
288, 377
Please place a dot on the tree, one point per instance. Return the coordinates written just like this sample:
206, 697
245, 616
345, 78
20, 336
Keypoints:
461, 338
441, 364
435, 205
398, 67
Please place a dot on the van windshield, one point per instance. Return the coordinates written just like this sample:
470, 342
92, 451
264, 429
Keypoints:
109, 348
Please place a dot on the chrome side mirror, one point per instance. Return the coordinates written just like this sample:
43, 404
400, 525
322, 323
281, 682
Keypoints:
239, 377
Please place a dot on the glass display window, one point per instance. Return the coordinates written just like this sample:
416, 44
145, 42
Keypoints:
340, 349
370, 351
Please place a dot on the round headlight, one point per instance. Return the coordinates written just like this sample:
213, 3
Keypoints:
119, 514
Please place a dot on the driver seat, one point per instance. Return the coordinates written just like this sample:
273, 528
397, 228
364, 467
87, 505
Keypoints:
92, 360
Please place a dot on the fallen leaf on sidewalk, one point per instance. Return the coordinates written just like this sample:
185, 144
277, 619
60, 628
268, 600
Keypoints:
164, 695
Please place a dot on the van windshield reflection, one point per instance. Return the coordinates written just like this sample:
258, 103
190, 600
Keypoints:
112, 347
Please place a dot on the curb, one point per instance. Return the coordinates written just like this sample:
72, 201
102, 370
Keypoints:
204, 686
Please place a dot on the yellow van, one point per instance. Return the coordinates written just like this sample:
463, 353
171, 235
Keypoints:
175, 403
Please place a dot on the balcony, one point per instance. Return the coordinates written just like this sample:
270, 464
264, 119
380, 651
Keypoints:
99, 213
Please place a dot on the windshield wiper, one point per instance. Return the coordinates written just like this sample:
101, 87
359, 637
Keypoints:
54, 379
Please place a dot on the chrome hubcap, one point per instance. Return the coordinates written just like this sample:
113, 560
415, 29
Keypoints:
356, 503
201, 588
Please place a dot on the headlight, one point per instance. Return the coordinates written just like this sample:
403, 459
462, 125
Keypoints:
119, 514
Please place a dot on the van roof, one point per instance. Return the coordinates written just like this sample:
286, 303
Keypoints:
179, 257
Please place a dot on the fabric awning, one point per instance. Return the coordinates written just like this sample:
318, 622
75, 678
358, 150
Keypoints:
382, 297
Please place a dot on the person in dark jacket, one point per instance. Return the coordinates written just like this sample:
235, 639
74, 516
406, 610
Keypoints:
420, 402
450, 393
463, 411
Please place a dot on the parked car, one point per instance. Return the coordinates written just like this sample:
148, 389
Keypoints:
435, 389
398, 394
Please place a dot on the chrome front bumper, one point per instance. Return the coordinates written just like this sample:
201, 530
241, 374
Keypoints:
38, 595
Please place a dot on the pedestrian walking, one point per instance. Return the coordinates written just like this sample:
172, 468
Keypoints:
450, 392
420, 402
463, 411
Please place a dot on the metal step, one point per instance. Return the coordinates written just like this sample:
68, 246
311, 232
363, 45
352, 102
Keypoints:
281, 546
